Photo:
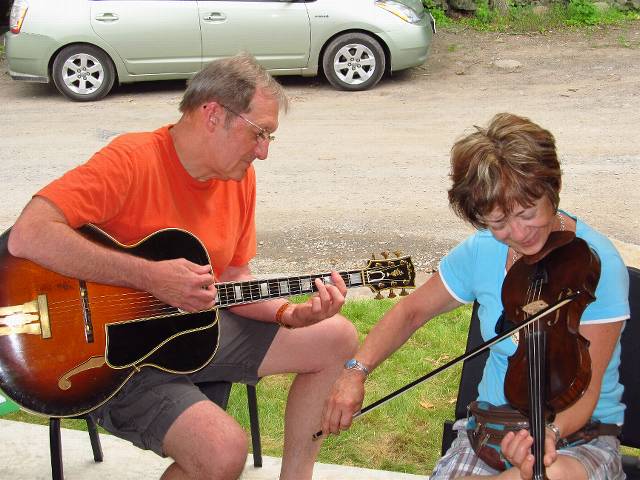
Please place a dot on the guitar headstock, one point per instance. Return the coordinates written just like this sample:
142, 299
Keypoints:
389, 274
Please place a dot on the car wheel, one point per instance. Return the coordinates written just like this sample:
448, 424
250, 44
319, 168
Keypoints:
83, 73
354, 61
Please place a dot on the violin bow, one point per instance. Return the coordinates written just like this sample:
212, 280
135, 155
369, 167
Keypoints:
467, 355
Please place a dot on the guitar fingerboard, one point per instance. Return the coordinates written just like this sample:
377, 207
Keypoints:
235, 293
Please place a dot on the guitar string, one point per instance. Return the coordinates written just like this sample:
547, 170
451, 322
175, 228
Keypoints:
252, 286
154, 307
247, 288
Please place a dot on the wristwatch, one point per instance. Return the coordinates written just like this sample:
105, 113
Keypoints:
353, 364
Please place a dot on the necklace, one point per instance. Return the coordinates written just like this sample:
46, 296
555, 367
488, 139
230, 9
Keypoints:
516, 255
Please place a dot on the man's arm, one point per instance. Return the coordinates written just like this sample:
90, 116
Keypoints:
41, 234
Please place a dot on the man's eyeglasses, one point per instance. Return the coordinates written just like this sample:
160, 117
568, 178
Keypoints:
262, 133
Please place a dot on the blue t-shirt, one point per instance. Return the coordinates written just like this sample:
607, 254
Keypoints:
475, 270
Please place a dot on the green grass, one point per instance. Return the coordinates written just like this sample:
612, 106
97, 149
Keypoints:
402, 435
524, 19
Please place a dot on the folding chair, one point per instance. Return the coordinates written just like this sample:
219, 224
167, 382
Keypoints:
469, 380
217, 392
629, 377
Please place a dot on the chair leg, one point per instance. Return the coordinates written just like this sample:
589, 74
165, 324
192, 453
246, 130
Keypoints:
252, 400
94, 436
55, 449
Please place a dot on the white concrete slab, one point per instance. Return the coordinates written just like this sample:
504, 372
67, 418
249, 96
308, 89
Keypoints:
24, 455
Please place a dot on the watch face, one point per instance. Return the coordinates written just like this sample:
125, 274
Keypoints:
354, 364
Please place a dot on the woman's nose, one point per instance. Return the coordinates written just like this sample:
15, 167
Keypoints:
517, 231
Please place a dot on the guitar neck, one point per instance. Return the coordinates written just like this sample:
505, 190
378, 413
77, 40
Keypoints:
238, 293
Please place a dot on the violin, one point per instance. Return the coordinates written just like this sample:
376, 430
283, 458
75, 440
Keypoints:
551, 368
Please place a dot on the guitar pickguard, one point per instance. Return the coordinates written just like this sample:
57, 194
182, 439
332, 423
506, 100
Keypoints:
181, 344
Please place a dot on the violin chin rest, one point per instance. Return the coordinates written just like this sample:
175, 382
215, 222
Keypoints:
556, 240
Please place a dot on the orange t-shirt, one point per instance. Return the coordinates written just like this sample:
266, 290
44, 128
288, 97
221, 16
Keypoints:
137, 185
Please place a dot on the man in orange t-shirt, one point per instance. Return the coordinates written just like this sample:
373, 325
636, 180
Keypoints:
197, 176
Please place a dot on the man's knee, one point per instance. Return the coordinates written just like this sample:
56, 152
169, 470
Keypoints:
206, 443
346, 335
225, 463
232, 462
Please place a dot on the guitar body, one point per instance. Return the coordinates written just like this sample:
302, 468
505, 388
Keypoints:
75, 354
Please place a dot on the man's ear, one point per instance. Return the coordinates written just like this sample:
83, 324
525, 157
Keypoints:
212, 114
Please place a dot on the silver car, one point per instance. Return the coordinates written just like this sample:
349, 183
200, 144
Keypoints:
85, 46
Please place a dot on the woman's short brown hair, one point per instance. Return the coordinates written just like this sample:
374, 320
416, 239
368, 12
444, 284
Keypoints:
511, 162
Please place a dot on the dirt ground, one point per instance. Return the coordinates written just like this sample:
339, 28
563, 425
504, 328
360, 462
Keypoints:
353, 174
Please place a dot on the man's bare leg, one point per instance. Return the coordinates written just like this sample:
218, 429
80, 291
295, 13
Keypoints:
205, 444
317, 354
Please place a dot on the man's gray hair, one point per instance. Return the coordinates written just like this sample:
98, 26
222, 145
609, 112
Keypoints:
231, 82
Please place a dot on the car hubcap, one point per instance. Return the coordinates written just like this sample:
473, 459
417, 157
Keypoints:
82, 74
354, 64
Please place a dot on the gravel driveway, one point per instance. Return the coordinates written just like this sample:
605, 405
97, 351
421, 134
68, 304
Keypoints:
355, 173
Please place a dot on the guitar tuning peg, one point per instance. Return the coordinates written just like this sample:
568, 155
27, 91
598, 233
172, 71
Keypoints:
392, 294
378, 296
403, 292
385, 254
397, 253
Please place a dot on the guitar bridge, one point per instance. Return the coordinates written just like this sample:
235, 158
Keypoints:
31, 318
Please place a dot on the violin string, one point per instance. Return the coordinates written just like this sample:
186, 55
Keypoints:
533, 341
540, 370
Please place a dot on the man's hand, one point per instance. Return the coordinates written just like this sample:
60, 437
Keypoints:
181, 283
325, 303
346, 399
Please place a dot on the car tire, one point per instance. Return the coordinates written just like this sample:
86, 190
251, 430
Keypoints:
83, 73
354, 61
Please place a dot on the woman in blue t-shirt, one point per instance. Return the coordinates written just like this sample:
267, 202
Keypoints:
506, 182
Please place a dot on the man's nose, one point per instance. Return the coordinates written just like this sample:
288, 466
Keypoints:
262, 149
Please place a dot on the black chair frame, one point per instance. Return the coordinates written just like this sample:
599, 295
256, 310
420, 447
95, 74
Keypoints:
217, 392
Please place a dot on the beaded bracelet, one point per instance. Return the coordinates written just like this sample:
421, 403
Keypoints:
280, 314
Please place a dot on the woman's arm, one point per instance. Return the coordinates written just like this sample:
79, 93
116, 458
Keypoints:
393, 330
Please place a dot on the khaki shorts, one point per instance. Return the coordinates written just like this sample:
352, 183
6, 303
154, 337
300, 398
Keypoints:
148, 404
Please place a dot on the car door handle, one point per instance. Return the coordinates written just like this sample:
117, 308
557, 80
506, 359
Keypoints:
107, 17
214, 17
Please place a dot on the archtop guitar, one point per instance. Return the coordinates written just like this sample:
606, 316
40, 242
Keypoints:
67, 346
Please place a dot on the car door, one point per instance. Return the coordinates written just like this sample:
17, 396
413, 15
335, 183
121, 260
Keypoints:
276, 32
151, 36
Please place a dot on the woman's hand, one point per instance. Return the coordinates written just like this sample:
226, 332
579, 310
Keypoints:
345, 400
516, 448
